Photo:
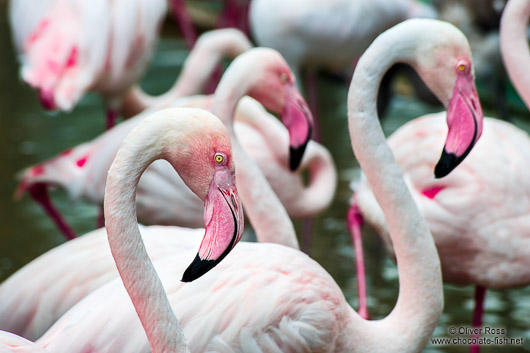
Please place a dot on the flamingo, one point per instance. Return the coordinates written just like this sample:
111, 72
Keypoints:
69, 47
209, 172
208, 52
25, 311
479, 214
84, 176
312, 34
268, 297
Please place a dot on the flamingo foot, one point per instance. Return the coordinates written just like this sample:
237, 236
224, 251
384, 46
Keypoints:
354, 221
39, 193
478, 313
183, 18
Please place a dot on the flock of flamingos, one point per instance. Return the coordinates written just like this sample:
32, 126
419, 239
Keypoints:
449, 193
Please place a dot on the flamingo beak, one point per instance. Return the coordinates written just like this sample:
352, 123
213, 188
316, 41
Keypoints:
298, 120
223, 218
464, 119
47, 99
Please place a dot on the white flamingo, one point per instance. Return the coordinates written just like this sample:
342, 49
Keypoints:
479, 213
23, 310
198, 146
266, 297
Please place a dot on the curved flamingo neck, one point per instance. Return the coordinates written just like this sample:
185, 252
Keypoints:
514, 46
420, 299
263, 208
136, 270
197, 69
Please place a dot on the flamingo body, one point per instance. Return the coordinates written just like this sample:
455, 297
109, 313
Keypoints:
68, 47
324, 33
163, 198
482, 208
314, 318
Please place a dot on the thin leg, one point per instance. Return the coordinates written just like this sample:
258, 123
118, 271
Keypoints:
354, 220
101, 218
311, 92
478, 313
182, 16
307, 231
39, 193
112, 118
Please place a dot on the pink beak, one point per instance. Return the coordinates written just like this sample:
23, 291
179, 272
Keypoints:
464, 118
298, 120
223, 218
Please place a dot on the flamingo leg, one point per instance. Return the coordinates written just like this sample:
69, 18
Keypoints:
39, 193
478, 313
354, 220
112, 117
214, 79
311, 93
229, 16
182, 16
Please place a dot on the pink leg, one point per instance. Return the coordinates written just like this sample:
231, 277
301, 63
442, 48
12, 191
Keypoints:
39, 193
182, 16
112, 117
354, 220
101, 218
311, 93
478, 313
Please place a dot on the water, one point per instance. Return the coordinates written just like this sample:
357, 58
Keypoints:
29, 135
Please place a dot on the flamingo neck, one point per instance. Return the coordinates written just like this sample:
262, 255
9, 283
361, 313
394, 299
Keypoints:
199, 66
514, 46
136, 270
263, 208
420, 299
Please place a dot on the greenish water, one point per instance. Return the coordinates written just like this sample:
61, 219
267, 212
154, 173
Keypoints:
29, 135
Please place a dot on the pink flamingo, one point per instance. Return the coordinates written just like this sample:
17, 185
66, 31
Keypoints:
267, 297
209, 171
312, 33
260, 72
69, 47
75, 171
479, 214
162, 198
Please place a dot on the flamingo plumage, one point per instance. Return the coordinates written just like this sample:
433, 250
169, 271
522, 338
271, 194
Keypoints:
248, 70
198, 147
162, 198
479, 213
277, 299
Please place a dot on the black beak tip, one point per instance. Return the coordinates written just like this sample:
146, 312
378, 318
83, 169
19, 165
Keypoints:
197, 268
447, 163
295, 156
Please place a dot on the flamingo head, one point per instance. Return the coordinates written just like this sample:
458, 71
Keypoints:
205, 164
446, 67
275, 88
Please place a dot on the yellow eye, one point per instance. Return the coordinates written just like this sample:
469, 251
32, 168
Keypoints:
284, 78
461, 67
219, 158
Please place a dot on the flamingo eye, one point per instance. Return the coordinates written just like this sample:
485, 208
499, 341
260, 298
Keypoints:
462, 66
219, 158
284, 78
